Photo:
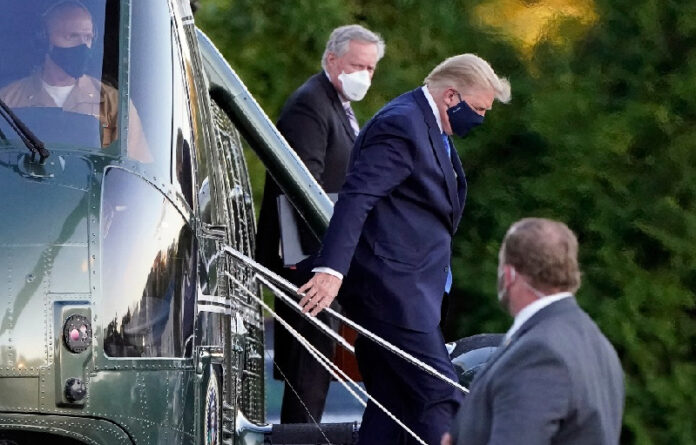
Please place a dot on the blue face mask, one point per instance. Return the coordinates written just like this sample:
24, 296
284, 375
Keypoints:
462, 118
72, 60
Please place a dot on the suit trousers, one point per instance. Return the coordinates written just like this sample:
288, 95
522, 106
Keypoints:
306, 381
423, 402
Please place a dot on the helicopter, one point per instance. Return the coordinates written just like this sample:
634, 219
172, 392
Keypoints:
123, 319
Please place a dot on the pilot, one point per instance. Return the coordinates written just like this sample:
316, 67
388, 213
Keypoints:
68, 33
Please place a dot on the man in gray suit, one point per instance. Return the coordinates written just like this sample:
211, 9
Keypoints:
556, 379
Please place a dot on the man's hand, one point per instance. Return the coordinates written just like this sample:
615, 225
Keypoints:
318, 293
446, 439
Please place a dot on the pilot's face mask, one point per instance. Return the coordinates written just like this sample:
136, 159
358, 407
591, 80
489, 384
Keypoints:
72, 60
70, 35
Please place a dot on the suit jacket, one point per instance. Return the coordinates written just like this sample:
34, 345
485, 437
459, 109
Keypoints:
315, 125
392, 227
558, 381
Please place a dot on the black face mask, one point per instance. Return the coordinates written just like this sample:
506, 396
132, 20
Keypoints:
72, 60
462, 118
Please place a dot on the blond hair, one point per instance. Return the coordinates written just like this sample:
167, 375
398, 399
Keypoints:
467, 72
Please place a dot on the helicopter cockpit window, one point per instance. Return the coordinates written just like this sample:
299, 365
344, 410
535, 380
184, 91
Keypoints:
59, 71
150, 80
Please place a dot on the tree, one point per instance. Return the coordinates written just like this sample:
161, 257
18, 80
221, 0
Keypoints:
602, 138
601, 134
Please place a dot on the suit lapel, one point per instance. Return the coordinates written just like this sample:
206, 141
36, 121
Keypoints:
440, 151
336, 104
461, 183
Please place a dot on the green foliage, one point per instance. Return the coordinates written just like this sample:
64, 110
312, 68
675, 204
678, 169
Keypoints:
603, 138
274, 46
601, 133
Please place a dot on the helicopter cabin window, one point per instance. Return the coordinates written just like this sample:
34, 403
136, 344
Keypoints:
148, 271
59, 72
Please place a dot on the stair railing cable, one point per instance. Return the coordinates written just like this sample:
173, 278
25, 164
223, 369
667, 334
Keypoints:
377, 339
287, 382
328, 364
293, 303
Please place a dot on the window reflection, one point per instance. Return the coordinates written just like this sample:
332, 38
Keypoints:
151, 85
148, 270
181, 124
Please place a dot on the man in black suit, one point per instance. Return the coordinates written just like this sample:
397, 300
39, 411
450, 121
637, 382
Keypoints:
319, 124
555, 379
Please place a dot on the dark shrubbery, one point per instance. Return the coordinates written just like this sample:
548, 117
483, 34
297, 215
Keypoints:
601, 133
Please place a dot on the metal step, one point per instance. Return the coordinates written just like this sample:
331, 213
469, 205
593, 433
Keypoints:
313, 434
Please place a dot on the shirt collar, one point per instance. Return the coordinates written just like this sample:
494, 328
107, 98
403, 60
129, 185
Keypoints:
433, 106
531, 309
345, 103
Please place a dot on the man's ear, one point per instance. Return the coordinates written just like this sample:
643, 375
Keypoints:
331, 58
448, 95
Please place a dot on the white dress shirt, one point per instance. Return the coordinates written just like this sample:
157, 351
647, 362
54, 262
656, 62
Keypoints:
433, 106
531, 309
435, 111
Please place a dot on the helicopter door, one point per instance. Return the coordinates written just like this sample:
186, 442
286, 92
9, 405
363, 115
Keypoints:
193, 150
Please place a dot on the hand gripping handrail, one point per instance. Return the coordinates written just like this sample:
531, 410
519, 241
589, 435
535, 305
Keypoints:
380, 341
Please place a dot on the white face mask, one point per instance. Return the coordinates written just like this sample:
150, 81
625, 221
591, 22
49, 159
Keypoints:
502, 290
355, 85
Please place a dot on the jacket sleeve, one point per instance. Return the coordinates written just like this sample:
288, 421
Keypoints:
385, 159
305, 126
530, 396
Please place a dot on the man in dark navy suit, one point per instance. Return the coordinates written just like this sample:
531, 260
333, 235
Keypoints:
391, 235
319, 124
556, 379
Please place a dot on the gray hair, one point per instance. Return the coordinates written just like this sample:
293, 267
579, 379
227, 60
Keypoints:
468, 72
340, 40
